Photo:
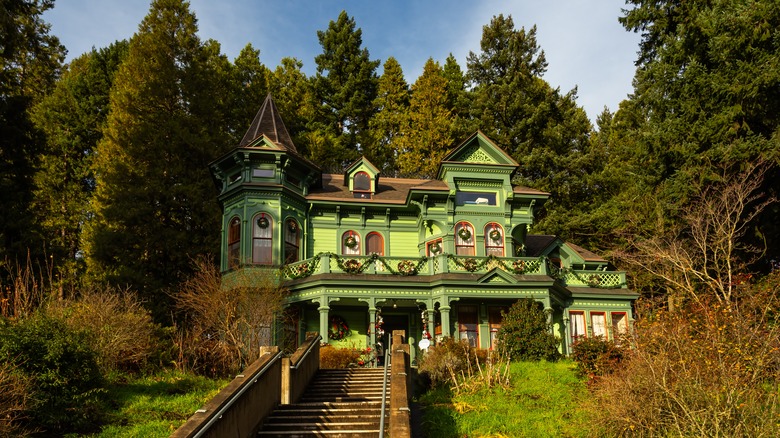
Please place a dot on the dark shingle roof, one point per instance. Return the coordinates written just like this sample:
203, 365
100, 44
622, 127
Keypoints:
585, 254
269, 122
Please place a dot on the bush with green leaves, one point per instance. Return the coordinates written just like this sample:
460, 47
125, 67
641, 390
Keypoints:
596, 356
63, 370
525, 333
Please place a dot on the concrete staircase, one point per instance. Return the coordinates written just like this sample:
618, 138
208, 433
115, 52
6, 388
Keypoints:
336, 404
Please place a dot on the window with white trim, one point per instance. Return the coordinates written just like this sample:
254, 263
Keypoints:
350, 243
577, 325
464, 239
494, 240
598, 322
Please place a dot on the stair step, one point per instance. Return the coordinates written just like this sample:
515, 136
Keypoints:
322, 433
323, 417
351, 425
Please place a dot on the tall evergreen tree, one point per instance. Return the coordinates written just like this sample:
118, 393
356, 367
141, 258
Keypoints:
345, 87
392, 103
250, 85
292, 94
427, 133
707, 94
30, 61
72, 117
545, 131
155, 206
458, 98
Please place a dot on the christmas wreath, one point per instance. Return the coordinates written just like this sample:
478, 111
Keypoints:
464, 233
338, 328
495, 235
262, 222
350, 242
435, 248
518, 266
407, 267
470, 265
293, 227
352, 266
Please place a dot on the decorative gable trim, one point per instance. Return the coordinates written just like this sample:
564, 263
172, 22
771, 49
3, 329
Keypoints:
497, 275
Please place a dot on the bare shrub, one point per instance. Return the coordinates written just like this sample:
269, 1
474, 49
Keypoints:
225, 320
462, 367
121, 329
24, 287
332, 357
14, 400
708, 369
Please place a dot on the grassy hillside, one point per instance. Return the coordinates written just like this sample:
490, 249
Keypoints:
541, 401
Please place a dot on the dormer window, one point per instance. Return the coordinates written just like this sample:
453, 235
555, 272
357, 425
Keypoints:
361, 185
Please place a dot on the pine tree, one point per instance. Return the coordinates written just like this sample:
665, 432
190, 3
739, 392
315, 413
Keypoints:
427, 133
292, 94
155, 205
72, 117
545, 131
392, 103
30, 62
345, 86
250, 86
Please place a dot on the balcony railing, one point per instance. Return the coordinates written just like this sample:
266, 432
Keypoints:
329, 263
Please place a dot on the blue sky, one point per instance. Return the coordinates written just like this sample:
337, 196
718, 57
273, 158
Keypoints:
584, 44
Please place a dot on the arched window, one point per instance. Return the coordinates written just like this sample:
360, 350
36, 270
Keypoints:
292, 241
361, 185
350, 243
234, 242
464, 239
262, 240
375, 244
494, 240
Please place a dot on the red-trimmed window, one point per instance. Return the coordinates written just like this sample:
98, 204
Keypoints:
577, 325
464, 239
262, 239
619, 325
494, 240
495, 318
234, 242
467, 324
375, 244
598, 322
434, 247
350, 243
292, 241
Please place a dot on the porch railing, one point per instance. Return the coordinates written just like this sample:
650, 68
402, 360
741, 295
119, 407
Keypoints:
329, 263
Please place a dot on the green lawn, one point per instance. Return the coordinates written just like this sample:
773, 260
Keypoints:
155, 406
542, 402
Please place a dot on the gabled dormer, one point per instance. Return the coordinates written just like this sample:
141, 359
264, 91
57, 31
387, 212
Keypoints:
478, 173
362, 177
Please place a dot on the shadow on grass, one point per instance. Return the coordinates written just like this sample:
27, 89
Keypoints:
437, 415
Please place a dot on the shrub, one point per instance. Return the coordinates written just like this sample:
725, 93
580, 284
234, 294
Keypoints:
596, 356
525, 333
121, 330
62, 368
225, 321
445, 361
332, 357
14, 399
709, 368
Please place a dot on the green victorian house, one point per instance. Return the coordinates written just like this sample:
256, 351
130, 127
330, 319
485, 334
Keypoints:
362, 254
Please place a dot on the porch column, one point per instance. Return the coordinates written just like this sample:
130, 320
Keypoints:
324, 329
371, 320
445, 320
432, 321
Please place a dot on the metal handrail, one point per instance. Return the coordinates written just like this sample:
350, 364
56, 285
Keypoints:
306, 353
384, 395
217, 416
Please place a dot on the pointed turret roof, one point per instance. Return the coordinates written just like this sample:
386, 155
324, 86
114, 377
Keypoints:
268, 122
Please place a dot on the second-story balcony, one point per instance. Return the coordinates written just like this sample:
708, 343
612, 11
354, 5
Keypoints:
329, 263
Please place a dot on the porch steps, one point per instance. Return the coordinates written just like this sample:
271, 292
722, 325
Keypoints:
337, 404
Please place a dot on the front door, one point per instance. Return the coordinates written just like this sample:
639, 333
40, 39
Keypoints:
393, 322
